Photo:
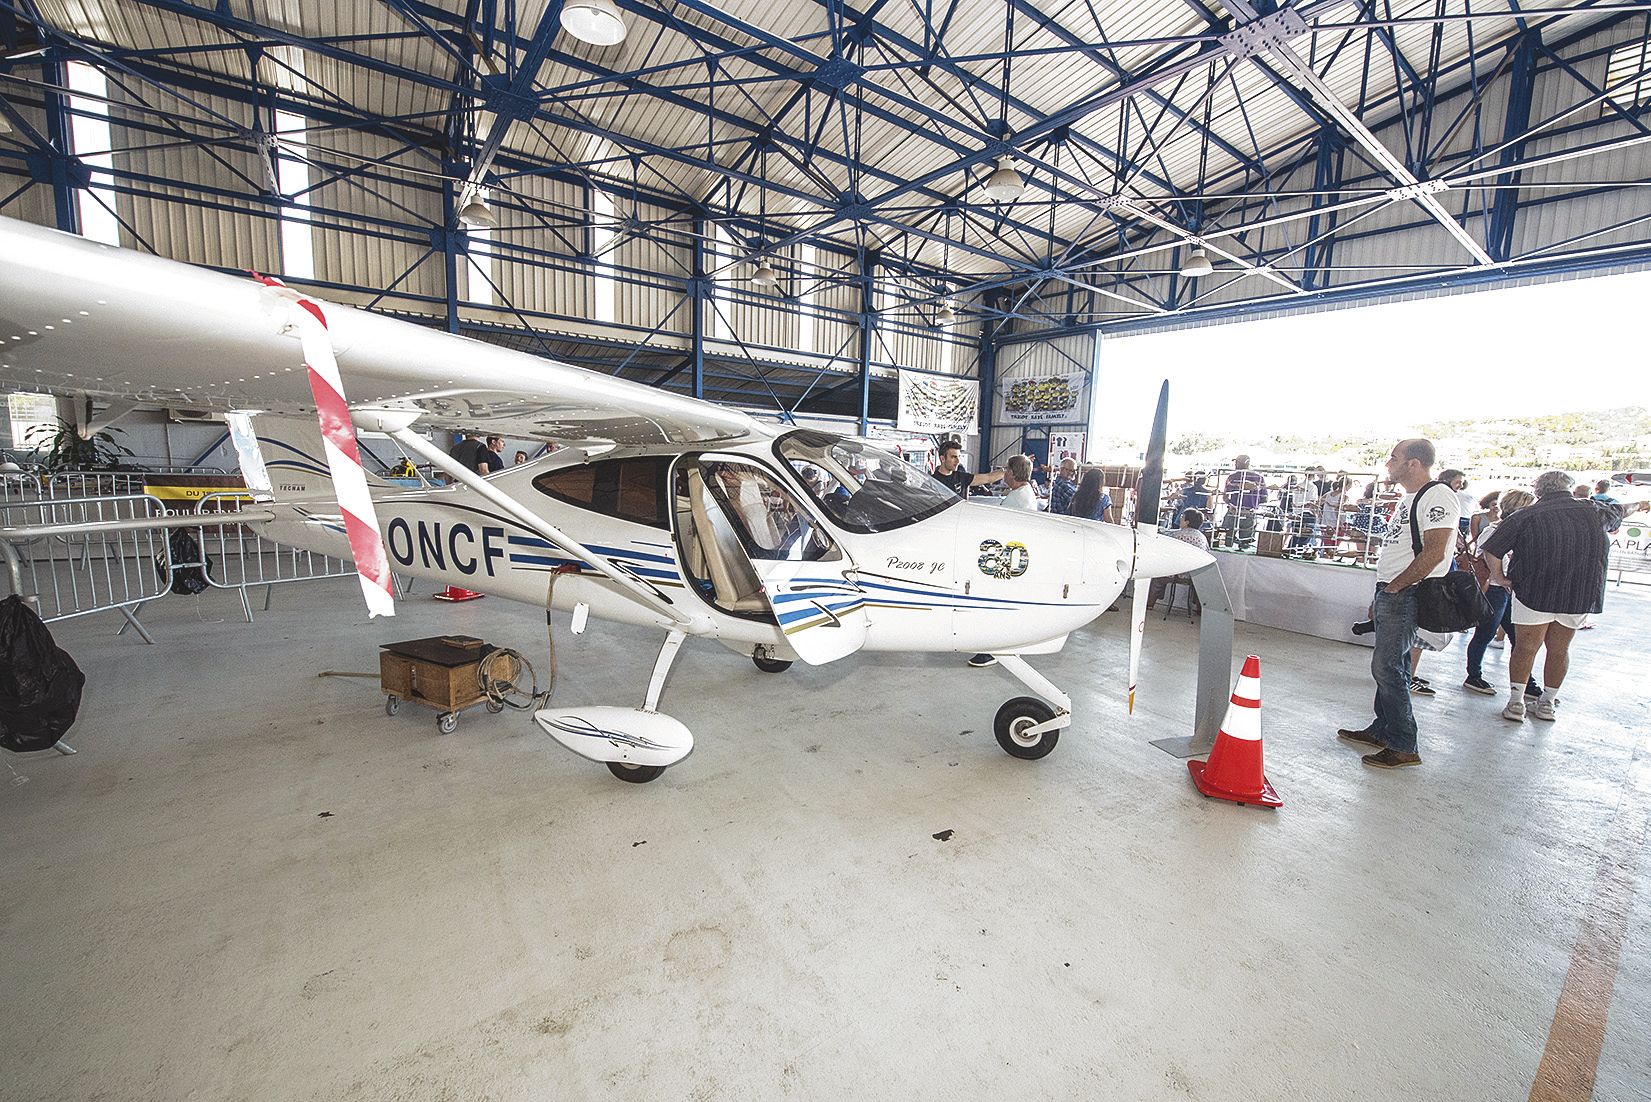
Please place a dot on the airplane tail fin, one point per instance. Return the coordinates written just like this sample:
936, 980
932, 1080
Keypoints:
292, 457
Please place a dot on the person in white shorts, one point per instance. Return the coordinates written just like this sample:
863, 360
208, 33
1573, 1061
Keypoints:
1557, 578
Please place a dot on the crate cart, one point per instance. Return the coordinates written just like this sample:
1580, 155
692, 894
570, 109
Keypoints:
439, 673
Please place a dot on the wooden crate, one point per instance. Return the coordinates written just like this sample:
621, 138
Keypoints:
435, 672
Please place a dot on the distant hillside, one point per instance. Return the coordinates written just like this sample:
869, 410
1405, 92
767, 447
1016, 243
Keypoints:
1597, 441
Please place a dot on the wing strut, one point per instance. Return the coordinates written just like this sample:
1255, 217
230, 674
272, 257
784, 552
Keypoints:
394, 423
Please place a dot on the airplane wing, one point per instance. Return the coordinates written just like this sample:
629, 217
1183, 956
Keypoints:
78, 317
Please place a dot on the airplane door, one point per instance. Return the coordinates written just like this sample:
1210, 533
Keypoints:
755, 550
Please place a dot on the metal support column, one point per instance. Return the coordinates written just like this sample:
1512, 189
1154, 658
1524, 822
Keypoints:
697, 299
1315, 273
61, 158
988, 385
868, 323
1521, 87
444, 235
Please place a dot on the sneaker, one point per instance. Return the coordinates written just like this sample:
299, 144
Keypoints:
1364, 737
1544, 708
1364, 627
980, 661
1478, 685
1391, 759
1533, 691
1418, 687
1497, 644
1515, 711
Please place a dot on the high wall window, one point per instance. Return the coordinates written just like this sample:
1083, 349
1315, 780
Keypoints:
89, 136
722, 265
292, 176
603, 235
480, 260
807, 280
1628, 75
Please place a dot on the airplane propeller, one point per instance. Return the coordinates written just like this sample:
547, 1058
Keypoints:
1147, 493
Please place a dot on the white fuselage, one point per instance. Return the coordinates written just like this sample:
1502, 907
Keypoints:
974, 577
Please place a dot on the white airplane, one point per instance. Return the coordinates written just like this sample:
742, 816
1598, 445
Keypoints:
658, 510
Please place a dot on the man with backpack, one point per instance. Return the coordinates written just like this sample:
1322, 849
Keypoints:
1399, 566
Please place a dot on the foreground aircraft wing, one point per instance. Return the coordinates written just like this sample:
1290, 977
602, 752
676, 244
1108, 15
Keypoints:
77, 317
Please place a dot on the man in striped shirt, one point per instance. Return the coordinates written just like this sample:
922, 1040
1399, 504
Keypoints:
1557, 577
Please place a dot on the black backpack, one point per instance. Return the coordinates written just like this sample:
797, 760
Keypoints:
39, 683
188, 564
1450, 603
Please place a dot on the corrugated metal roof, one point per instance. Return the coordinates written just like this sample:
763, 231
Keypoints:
819, 103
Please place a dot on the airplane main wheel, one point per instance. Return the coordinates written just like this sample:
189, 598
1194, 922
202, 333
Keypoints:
635, 774
771, 665
1014, 718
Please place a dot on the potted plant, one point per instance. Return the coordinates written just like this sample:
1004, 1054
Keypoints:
61, 448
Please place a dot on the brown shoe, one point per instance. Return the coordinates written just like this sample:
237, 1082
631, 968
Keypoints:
1364, 738
1391, 759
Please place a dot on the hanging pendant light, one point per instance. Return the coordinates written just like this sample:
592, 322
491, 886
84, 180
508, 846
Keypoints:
478, 214
1196, 264
595, 21
765, 275
945, 315
1004, 185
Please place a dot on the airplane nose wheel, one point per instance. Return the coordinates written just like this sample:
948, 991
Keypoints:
771, 665
1012, 721
635, 774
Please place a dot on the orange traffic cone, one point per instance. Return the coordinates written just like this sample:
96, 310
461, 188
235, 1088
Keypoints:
1234, 769
454, 593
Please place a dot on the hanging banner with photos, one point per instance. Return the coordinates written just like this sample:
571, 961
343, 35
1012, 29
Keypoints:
1043, 399
937, 403
1066, 444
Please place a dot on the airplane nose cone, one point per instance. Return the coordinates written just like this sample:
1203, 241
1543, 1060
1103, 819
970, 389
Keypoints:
1160, 556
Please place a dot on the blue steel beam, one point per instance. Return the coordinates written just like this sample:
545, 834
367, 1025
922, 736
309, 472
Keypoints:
1521, 88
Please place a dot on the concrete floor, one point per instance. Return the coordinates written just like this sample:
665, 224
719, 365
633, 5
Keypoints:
252, 883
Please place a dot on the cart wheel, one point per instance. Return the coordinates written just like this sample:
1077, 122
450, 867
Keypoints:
447, 722
391, 705
495, 706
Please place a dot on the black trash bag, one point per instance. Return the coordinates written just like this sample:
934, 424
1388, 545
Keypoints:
188, 576
39, 683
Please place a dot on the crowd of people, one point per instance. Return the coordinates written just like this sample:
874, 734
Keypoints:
1540, 558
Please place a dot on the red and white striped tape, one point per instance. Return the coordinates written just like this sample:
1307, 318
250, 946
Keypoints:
349, 479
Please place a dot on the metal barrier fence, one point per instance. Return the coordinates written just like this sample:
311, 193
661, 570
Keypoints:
237, 557
76, 574
19, 487
77, 555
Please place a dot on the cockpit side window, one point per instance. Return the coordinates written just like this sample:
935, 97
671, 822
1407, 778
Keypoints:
633, 489
860, 486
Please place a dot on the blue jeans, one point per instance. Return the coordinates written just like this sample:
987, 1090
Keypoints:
1395, 616
1497, 598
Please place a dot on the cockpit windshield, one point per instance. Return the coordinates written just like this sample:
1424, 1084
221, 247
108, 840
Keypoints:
859, 486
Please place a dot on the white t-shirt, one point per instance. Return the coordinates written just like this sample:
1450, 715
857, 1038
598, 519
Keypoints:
1484, 534
1468, 504
1439, 509
1022, 498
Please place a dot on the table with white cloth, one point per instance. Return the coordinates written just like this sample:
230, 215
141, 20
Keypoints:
1306, 597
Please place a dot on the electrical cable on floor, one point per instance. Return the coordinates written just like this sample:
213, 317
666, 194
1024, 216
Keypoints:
501, 684
348, 673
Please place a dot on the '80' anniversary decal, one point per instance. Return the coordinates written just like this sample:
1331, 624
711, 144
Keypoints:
999, 560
